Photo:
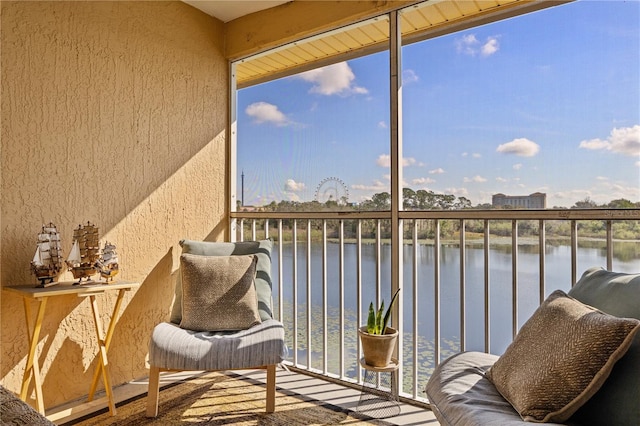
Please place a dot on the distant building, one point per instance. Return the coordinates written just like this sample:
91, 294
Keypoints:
537, 200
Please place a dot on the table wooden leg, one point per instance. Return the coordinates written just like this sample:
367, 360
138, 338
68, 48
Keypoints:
32, 368
107, 342
102, 353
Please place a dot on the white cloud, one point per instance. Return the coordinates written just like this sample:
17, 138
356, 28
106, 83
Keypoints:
517, 166
384, 160
293, 186
459, 192
335, 79
476, 179
594, 144
501, 179
625, 141
467, 44
409, 76
409, 161
437, 171
474, 155
521, 147
490, 47
263, 112
470, 45
382, 125
291, 196
378, 186
422, 181
603, 192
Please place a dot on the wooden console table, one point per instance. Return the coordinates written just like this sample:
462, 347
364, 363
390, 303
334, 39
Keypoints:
42, 295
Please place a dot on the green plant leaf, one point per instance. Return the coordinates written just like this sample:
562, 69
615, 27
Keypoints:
383, 327
379, 319
371, 320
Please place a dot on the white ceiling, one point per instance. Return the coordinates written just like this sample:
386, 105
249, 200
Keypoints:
226, 10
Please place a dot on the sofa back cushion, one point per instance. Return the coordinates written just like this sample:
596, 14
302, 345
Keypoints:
618, 400
262, 250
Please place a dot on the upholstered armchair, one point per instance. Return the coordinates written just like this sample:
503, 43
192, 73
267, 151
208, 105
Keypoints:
222, 316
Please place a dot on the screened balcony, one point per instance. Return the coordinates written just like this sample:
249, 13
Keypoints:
145, 138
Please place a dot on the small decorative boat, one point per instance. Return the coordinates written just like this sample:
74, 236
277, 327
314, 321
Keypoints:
47, 261
107, 263
84, 252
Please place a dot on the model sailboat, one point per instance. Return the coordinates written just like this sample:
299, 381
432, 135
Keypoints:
47, 260
107, 264
84, 252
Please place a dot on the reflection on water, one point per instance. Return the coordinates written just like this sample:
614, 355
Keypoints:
623, 251
558, 276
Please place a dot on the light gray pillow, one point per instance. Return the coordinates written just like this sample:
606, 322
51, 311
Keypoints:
218, 293
560, 358
262, 250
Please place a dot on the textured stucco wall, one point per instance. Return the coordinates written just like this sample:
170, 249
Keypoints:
114, 113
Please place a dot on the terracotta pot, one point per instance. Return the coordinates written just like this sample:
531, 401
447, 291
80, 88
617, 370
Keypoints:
378, 348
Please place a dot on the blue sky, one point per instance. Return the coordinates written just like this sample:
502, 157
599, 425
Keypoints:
546, 102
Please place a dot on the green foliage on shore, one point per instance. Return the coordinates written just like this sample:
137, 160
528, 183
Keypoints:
421, 200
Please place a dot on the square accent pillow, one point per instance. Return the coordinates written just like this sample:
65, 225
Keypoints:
218, 292
261, 249
560, 357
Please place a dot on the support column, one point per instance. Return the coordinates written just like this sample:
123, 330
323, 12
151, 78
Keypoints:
395, 62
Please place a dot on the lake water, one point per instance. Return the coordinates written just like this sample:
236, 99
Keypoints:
558, 276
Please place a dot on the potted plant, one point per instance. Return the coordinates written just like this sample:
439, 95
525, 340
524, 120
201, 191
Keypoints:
378, 340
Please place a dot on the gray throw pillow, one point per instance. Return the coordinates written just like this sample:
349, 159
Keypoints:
262, 250
218, 293
617, 403
560, 358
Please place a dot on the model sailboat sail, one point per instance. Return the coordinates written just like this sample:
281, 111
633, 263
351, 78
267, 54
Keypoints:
47, 260
85, 252
108, 262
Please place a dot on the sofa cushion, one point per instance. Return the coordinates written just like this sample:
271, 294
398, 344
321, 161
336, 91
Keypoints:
618, 401
560, 358
262, 250
218, 292
461, 395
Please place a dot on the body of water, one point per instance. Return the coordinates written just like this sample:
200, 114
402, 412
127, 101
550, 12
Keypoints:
558, 276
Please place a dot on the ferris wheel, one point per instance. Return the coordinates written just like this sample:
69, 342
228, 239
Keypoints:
332, 189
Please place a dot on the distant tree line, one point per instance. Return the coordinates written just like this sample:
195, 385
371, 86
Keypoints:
421, 200
429, 200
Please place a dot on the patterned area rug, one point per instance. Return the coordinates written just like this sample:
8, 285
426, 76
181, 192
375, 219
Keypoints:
219, 399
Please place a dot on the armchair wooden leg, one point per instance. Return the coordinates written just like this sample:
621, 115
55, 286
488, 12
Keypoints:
271, 388
154, 391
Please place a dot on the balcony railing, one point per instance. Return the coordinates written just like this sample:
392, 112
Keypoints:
464, 286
